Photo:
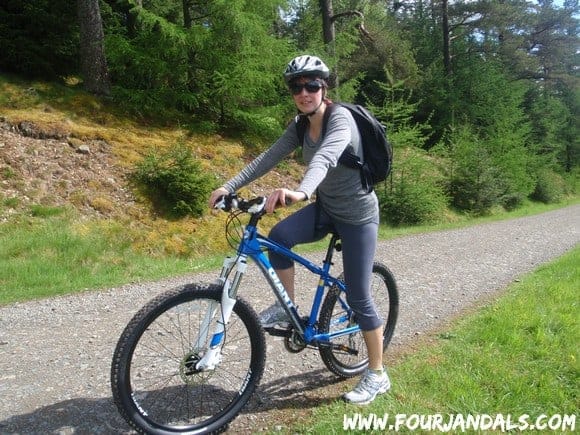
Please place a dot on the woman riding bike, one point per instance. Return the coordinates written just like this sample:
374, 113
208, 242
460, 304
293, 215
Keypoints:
342, 205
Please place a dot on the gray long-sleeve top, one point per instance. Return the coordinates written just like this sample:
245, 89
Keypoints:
339, 189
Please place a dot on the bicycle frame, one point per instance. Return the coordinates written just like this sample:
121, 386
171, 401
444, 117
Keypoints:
253, 245
192, 357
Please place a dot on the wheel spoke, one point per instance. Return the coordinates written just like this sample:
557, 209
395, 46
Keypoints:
154, 376
335, 316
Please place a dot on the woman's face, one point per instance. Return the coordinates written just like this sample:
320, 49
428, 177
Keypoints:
307, 93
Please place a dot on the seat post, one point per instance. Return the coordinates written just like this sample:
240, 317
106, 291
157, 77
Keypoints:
332, 246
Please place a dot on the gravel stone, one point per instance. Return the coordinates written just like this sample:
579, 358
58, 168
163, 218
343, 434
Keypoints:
55, 354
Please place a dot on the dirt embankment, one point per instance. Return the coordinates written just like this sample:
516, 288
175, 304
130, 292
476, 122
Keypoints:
54, 169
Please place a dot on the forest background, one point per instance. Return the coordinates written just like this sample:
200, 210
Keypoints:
117, 117
480, 98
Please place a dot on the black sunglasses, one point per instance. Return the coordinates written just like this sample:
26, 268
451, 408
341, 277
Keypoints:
311, 87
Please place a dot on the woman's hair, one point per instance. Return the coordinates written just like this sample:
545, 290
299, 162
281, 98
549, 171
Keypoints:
310, 77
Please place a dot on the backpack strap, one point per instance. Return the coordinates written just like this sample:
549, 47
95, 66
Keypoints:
347, 159
302, 123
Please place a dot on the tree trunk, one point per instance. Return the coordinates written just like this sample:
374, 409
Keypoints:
187, 20
94, 67
328, 33
446, 37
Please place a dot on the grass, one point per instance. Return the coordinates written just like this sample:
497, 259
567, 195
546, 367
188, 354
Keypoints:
50, 256
51, 251
517, 356
46, 250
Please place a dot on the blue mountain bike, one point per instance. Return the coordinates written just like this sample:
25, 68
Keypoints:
191, 358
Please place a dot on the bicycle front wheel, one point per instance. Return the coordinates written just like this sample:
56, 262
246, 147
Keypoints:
154, 379
336, 315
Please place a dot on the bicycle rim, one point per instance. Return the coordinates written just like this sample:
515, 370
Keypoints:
155, 384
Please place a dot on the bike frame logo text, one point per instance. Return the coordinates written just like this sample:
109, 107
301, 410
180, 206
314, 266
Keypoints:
279, 287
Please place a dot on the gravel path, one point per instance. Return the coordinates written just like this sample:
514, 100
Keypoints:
55, 354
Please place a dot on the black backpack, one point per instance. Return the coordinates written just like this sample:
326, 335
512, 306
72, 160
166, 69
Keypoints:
377, 150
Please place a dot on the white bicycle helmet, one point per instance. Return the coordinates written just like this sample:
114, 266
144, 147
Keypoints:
305, 66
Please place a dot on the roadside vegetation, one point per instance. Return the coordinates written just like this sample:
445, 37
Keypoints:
50, 252
480, 100
517, 356
177, 96
55, 242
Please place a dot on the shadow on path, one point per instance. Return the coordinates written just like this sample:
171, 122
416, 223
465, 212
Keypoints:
100, 416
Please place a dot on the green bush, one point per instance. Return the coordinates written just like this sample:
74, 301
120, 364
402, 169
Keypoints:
474, 191
572, 180
174, 182
512, 201
550, 187
485, 172
260, 123
473, 181
412, 195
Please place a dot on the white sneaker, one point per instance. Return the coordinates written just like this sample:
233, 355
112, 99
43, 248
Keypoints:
274, 315
368, 387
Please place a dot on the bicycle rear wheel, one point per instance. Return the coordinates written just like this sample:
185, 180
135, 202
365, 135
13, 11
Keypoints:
155, 384
336, 315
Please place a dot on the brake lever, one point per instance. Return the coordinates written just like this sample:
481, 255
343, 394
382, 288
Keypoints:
256, 205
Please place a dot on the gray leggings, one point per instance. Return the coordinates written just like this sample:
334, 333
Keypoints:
358, 251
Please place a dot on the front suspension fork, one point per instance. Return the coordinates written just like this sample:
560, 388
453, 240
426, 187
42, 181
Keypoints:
212, 356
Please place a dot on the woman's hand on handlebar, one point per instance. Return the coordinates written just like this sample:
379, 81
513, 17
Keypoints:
283, 197
278, 198
217, 194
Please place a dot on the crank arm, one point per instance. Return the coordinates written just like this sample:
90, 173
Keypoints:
277, 332
340, 347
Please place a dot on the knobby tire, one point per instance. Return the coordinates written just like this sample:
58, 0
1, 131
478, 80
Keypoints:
334, 315
153, 378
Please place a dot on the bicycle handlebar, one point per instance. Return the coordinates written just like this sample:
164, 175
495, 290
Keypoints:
232, 201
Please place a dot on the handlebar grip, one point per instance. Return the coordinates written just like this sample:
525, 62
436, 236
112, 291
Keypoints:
226, 202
